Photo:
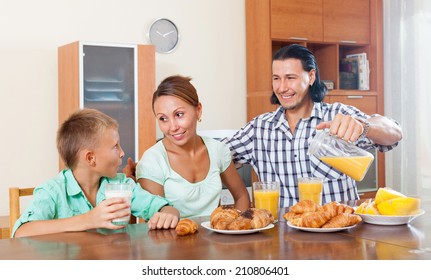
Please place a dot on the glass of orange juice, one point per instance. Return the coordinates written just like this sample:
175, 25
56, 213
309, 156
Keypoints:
310, 188
266, 196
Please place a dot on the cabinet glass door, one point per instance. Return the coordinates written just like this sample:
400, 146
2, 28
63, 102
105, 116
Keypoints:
108, 85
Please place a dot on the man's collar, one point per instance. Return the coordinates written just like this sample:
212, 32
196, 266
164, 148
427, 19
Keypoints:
279, 116
317, 112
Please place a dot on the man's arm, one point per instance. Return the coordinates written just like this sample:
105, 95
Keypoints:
381, 131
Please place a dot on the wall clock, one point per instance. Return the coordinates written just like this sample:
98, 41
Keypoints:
164, 35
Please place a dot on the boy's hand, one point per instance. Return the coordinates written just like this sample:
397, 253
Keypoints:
103, 214
166, 218
130, 169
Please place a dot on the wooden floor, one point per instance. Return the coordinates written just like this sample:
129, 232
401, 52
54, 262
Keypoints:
4, 227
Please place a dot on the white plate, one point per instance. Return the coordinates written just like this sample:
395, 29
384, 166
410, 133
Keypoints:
389, 220
320, 229
207, 225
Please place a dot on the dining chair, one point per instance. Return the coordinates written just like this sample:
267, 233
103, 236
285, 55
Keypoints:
14, 204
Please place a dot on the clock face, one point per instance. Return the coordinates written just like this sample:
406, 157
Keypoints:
164, 35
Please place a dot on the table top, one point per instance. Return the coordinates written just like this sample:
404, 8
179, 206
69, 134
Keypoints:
363, 242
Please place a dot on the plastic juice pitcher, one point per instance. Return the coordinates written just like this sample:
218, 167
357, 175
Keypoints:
341, 155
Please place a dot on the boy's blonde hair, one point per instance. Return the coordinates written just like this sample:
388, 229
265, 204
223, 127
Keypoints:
82, 130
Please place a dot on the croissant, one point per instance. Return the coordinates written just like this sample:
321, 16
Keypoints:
186, 226
253, 218
313, 219
222, 216
240, 223
343, 220
292, 217
304, 206
261, 218
334, 208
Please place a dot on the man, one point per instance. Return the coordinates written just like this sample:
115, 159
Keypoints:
276, 143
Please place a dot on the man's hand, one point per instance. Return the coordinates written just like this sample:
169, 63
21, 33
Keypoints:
344, 126
130, 169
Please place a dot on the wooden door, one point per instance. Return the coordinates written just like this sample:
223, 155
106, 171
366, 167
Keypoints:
346, 21
297, 19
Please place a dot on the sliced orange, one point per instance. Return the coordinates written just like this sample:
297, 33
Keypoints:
384, 194
371, 209
362, 206
400, 206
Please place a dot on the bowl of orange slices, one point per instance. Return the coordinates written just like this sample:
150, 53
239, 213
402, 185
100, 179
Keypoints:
389, 207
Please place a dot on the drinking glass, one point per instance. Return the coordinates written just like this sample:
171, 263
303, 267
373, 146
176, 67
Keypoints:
310, 188
266, 196
120, 190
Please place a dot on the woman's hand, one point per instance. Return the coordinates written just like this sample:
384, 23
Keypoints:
166, 218
130, 169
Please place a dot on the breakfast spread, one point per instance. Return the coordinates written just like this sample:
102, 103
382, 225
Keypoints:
309, 214
229, 218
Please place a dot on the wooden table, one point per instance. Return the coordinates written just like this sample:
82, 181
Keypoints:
365, 242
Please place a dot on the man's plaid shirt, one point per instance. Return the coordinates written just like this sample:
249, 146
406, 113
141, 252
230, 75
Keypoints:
267, 144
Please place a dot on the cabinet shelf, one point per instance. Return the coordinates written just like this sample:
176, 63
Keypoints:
352, 92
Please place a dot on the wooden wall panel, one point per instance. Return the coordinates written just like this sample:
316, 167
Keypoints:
146, 88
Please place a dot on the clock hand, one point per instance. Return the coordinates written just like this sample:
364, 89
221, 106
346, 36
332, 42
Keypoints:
166, 34
160, 33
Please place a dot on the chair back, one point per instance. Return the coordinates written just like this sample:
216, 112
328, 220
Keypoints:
14, 204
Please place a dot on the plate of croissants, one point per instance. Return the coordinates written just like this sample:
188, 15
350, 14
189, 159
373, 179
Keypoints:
307, 215
228, 220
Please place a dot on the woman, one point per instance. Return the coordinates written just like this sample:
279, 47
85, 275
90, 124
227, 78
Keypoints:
184, 167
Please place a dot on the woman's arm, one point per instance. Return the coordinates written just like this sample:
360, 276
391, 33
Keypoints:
152, 187
230, 177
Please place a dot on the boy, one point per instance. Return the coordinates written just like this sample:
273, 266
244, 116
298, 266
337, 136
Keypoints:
89, 144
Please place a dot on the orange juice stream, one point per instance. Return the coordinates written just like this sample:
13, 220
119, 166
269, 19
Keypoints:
267, 200
354, 167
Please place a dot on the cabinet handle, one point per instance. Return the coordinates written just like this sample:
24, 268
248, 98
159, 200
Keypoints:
298, 38
347, 42
355, 96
